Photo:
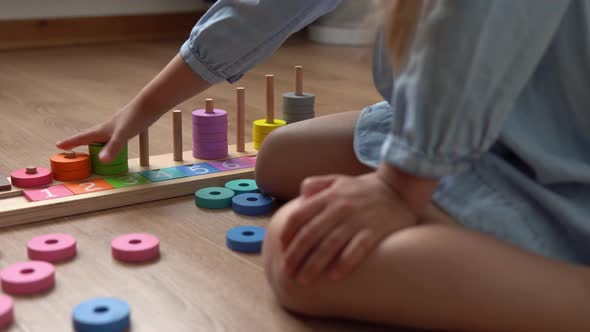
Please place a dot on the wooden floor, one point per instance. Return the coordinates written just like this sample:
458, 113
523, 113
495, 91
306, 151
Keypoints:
198, 284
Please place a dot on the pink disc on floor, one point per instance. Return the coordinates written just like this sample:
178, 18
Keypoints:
27, 278
6, 311
52, 248
136, 247
31, 177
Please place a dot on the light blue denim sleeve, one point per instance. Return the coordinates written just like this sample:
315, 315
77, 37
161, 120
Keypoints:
470, 63
235, 35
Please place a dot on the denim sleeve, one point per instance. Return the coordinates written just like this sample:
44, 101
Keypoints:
471, 60
235, 35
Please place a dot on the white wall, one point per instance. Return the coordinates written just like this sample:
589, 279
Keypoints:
31, 9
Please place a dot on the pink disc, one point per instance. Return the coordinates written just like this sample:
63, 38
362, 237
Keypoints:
52, 248
28, 278
136, 247
6, 311
21, 179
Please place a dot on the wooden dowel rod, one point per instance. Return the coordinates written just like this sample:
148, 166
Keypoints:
177, 134
144, 148
240, 139
270, 98
209, 105
299, 80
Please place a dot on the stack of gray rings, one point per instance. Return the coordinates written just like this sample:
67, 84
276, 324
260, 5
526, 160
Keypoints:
298, 108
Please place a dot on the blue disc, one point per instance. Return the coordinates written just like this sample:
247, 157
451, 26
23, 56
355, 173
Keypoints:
104, 314
246, 239
252, 204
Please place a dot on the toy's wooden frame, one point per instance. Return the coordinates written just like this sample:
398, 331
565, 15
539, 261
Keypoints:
15, 209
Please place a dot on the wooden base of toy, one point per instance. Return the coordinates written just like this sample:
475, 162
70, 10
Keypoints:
16, 210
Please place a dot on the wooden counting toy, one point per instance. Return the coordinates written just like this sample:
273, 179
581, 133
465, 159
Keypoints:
252, 204
297, 105
214, 197
209, 132
135, 247
242, 186
102, 315
246, 239
71, 166
261, 128
117, 166
6, 311
52, 248
27, 278
31, 177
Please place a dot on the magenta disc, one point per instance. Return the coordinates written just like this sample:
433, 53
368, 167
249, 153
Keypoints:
21, 179
52, 248
6, 311
136, 247
27, 278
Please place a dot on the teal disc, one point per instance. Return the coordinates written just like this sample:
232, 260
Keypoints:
214, 197
242, 186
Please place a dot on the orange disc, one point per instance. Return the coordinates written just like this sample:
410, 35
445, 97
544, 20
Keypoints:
78, 175
70, 161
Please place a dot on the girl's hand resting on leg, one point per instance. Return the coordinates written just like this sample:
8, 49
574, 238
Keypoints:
339, 221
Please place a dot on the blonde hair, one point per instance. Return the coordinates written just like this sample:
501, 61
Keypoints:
403, 23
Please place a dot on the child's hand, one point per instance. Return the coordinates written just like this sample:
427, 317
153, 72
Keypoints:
340, 220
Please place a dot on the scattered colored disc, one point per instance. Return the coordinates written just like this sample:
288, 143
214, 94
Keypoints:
247, 239
28, 278
214, 197
252, 204
242, 186
31, 177
52, 248
6, 311
102, 315
136, 247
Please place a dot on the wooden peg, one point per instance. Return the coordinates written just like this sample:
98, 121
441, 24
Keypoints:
270, 98
241, 100
177, 134
70, 155
209, 106
31, 170
299, 80
144, 148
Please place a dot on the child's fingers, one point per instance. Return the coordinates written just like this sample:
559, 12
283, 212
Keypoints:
89, 136
354, 253
315, 184
112, 149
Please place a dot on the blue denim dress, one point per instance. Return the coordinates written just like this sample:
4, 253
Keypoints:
494, 101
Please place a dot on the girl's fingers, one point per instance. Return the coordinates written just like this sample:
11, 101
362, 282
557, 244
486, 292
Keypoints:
310, 236
354, 253
325, 253
315, 184
89, 136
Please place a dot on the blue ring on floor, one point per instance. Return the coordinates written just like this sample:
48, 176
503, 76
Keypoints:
247, 239
252, 204
104, 314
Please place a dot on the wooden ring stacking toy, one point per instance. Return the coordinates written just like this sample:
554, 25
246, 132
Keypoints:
31, 177
102, 315
214, 197
246, 239
252, 204
135, 247
27, 278
52, 248
6, 311
71, 166
209, 132
242, 186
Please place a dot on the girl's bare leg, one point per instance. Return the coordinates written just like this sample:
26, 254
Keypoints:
442, 277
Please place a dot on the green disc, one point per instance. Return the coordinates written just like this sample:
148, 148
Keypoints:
242, 186
109, 169
95, 148
214, 197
